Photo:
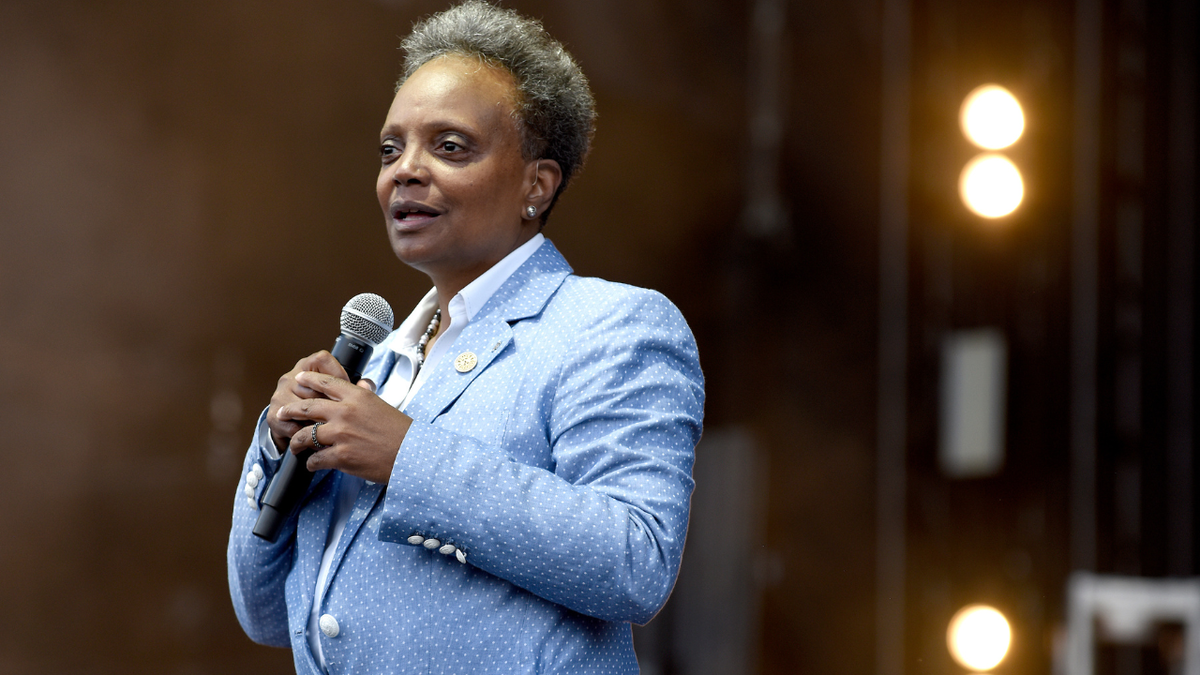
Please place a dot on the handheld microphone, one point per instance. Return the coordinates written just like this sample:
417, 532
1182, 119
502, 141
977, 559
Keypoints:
366, 321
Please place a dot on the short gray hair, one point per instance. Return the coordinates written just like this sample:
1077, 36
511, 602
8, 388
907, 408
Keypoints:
555, 108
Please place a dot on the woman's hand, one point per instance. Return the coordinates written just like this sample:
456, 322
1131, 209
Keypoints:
361, 432
290, 391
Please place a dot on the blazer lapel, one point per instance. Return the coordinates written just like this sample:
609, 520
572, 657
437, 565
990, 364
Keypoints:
484, 341
522, 295
379, 370
363, 505
313, 523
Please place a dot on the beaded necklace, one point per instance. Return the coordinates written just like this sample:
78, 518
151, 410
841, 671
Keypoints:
429, 333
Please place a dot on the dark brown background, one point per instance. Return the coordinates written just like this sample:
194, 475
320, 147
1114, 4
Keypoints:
186, 200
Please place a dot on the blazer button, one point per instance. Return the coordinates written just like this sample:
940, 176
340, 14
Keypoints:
447, 549
432, 544
416, 540
252, 480
329, 626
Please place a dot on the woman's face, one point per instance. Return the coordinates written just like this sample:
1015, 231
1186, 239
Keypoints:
453, 184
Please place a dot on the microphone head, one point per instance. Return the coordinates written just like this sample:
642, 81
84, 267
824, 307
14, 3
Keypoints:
367, 317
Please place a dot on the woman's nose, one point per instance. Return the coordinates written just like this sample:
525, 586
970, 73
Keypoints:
410, 168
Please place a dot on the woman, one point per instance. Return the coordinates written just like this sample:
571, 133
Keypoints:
517, 492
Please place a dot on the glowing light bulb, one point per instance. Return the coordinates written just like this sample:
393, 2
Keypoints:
991, 117
978, 637
991, 185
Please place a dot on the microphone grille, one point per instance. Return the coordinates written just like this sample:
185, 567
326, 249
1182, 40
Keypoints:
368, 317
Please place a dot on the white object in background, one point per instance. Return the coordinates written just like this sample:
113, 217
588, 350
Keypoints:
1128, 608
974, 389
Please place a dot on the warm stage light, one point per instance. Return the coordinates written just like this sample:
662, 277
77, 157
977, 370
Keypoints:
991, 186
991, 117
978, 637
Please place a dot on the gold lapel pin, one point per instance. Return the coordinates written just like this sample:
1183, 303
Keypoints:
465, 362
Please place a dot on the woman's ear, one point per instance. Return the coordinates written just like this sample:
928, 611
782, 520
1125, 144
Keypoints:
545, 176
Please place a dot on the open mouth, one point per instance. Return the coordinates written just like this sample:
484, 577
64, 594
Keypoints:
411, 214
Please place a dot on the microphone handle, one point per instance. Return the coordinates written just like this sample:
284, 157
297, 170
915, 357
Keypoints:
291, 481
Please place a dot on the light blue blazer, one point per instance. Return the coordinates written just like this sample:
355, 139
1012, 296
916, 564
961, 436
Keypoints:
560, 466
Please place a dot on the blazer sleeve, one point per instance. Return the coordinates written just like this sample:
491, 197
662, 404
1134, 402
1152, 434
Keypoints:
258, 569
603, 531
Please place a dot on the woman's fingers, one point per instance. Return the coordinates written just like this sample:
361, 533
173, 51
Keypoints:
362, 432
289, 391
304, 438
321, 362
308, 410
327, 385
315, 406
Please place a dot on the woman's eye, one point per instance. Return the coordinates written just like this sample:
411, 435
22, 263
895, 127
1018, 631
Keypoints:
451, 146
387, 151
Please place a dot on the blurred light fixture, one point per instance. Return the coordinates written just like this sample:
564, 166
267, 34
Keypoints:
978, 637
991, 117
991, 185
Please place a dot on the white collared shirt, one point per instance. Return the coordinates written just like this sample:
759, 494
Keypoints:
401, 386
